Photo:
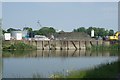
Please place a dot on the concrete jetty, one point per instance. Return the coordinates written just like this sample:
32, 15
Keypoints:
66, 44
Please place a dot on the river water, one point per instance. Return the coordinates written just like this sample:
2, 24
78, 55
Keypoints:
43, 64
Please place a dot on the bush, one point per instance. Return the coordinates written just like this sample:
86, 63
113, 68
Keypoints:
20, 46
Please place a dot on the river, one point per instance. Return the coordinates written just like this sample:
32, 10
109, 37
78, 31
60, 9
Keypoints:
28, 64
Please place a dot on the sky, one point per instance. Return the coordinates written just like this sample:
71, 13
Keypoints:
59, 0
60, 15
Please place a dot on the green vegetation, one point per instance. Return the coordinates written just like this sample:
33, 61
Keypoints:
103, 47
18, 46
98, 31
45, 31
109, 70
42, 31
27, 28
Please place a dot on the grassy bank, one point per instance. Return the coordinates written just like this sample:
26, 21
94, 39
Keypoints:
18, 46
103, 47
109, 70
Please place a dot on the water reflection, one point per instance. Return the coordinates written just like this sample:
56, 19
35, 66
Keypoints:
57, 53
44, 63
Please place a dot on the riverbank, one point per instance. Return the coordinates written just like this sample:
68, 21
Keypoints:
109, 70
60, 45
17, 46
104, 48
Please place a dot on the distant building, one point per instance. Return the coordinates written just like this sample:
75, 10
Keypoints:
92, 33
19, 35
25, 34
7, 36
40, 37
72, 36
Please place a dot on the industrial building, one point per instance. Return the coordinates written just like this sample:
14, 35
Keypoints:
16, 35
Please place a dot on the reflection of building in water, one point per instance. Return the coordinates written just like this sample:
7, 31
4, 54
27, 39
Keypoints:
59, 53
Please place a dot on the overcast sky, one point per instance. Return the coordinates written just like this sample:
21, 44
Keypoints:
61, 15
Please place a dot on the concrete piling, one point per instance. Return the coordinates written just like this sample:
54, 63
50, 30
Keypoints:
67, 44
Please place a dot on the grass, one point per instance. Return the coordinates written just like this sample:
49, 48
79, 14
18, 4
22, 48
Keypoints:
103, 47
109, 70
18, 46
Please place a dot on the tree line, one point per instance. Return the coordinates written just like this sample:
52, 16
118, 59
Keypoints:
42, 31
99, 32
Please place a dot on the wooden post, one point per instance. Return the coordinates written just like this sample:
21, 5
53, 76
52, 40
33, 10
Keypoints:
85, 44
74, 45
49, 45
61, 45
42, 46
79, 46
67, 46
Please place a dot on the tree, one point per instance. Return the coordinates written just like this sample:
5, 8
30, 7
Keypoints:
3, 31
106, 32
74, 30
88, 31
11, 29
28, 29
100, 32
52, 30
45, 31
81, 29
36, 32
111, 32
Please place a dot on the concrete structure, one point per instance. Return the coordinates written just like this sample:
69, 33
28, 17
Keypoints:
15, 34
66, 44
19, 35
63, 44
7, 36
92, 33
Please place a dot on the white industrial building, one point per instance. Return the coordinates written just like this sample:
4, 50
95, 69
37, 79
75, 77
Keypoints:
19, 35
16, 35
7, 36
